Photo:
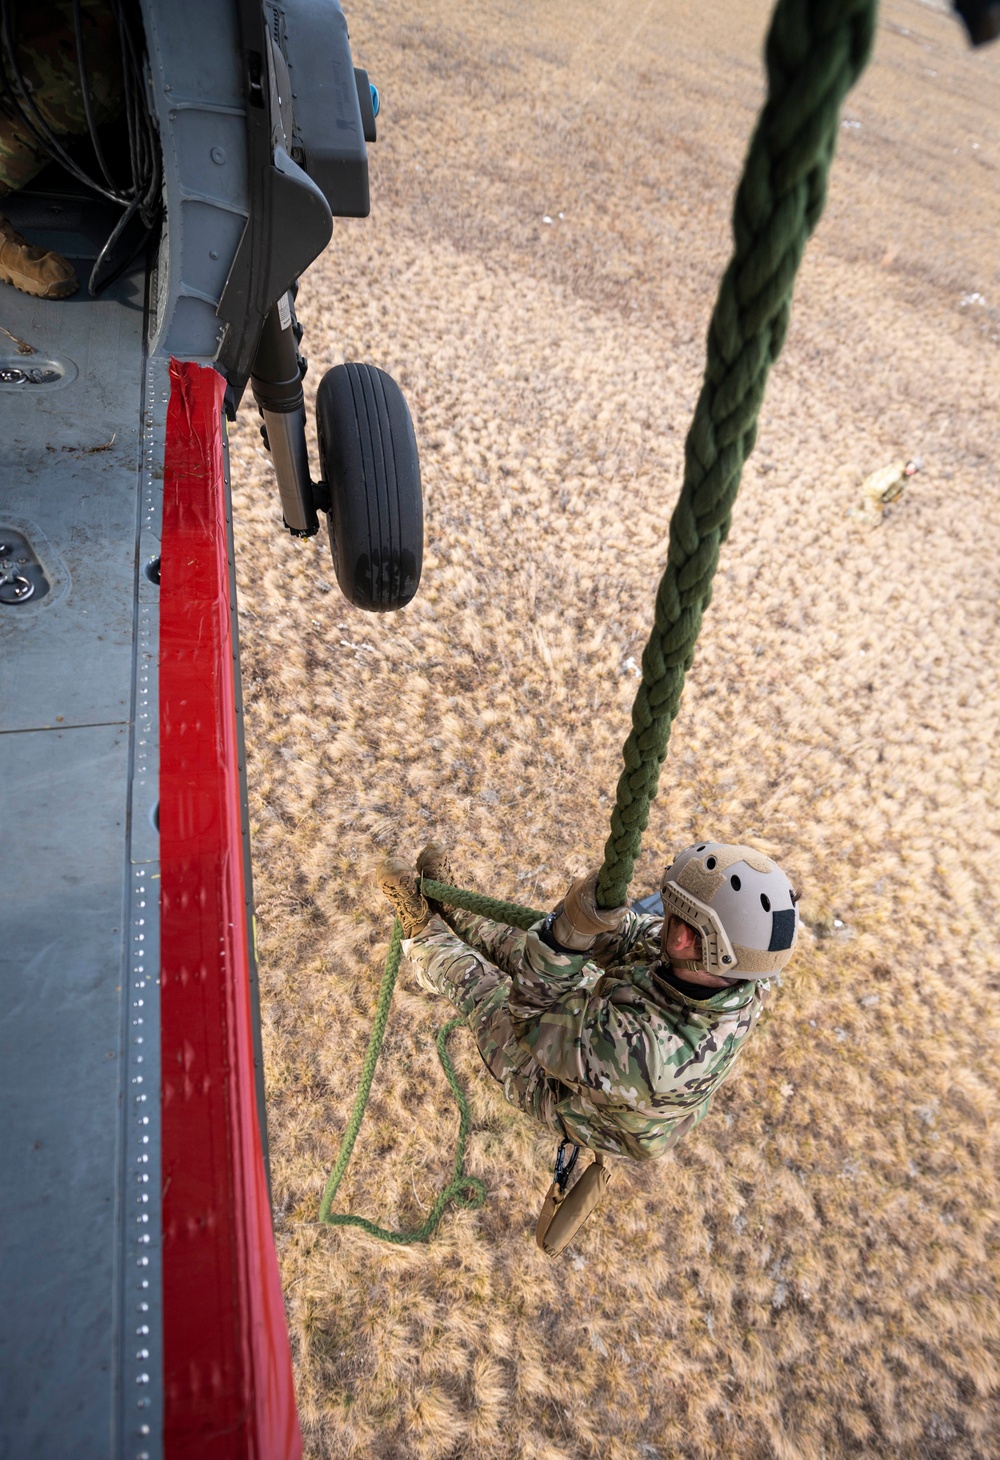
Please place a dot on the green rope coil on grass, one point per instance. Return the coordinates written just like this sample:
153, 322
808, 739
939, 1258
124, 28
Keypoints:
465, 1191
815, 51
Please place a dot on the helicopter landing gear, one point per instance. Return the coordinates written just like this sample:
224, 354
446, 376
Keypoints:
368, 453
369, 457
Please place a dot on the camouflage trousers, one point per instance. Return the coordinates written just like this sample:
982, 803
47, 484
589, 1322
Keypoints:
45, 43
477, 979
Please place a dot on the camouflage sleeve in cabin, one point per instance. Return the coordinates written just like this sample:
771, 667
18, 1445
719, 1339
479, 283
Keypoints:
638, 1056
45, 44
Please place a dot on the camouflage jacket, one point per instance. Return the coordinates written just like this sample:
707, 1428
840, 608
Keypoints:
641, 1060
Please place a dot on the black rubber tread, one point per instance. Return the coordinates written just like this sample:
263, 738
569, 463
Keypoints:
369, 457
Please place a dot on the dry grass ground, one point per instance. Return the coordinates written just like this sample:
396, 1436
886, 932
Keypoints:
814, 1274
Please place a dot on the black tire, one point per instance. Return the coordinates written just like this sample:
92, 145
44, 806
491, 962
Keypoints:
369, 458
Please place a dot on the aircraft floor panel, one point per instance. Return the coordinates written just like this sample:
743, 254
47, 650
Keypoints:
71, 388
81, 436
79, 1204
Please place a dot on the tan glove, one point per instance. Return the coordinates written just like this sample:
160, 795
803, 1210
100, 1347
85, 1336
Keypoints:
579, 921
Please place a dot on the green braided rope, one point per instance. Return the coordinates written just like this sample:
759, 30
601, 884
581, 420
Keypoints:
514, 914
465, 1191
815, 51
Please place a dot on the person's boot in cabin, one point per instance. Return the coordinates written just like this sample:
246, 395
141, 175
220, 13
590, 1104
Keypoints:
44, 95
34, 270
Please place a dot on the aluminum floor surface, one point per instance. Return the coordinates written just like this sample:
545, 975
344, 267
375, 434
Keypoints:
81, 432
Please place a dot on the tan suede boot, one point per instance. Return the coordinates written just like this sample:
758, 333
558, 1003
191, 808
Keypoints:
433, 864
33, 270
397, 880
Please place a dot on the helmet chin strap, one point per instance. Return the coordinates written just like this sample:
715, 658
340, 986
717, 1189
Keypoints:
690, 965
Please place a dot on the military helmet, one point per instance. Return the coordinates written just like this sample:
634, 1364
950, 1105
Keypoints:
741, 904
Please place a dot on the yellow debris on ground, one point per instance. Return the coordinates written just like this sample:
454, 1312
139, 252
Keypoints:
884, 487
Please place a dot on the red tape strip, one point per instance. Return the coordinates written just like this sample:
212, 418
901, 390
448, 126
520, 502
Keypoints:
227, 1365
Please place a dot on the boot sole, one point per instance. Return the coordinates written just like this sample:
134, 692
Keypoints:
56, 290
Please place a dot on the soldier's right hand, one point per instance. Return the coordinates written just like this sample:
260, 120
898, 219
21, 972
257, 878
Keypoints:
579, 921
